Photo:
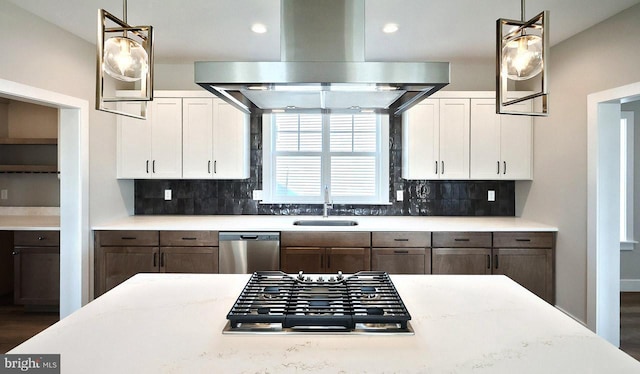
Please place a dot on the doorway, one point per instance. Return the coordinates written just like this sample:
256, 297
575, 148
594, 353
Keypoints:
603, 209
74, 188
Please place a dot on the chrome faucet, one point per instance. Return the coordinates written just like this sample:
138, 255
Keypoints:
327, 203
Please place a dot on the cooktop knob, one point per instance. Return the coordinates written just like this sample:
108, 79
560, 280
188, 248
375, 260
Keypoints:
332, 279
339, 276
308, 279
300, 275
320, 279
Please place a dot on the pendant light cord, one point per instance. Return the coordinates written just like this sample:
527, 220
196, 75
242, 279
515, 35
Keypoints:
521, 11
124, 10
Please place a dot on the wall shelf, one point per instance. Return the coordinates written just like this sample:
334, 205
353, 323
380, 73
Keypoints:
47, 169
28, 141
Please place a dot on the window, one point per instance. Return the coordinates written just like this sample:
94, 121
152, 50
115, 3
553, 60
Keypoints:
626, 180
347, 153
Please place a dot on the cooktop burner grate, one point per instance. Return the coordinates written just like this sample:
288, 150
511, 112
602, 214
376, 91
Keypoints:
273, 301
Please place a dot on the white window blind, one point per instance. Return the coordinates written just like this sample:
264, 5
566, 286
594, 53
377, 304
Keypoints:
303, 153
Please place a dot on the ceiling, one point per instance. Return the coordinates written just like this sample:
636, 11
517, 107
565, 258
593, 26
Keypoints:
219, 30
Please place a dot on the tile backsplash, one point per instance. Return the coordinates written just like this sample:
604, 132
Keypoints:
426, 198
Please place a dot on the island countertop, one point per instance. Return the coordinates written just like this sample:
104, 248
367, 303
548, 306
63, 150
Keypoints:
285, 223
172, 323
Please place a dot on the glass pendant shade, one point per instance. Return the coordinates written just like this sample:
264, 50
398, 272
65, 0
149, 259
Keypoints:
522, 57
125, 59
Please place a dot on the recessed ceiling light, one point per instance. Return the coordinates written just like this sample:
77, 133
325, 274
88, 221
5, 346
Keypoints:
259, 28
390, 28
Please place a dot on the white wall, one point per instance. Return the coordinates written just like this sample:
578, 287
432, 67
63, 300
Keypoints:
602, 57
42, 55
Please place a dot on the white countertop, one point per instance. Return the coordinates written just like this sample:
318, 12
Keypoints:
285, 223
29, 218
172, 323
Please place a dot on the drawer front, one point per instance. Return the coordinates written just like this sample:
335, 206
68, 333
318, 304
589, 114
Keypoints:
128, 238
462, 239
401, 239
36, 238
523, 240
325, 239
189, 238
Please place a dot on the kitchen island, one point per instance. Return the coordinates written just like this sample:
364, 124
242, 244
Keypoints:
172, 323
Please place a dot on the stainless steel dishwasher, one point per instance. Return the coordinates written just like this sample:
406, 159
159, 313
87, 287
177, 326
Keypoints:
246, 252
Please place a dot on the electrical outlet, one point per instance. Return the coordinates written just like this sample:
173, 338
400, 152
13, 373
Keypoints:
4, 194
399, 195
167, 195
491, 196
257, 194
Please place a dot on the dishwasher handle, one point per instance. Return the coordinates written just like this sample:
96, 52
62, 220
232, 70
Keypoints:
249, 237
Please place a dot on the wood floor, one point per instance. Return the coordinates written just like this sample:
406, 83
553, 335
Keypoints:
17, 325
630, 323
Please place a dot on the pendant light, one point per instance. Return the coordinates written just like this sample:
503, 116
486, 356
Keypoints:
521, 55
125, 53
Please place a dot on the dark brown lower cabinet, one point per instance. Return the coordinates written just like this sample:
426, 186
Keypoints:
123, 254
324, 260
401, 260
36, 263
461, 261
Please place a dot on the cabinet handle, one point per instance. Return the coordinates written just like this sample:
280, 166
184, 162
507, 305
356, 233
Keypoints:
215, 167
209, 167
147, 166
505, 167
401, 252
41, 238
16, 252
461, 239
496, 260
523, 240
128, 238
436, 167
162, 260
189, 238
155, 259
401, 240
498, 163
442, 172
488, 261
153, 166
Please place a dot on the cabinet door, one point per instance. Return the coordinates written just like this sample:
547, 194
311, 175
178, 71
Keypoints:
530, 267
189, 260
307, 259
400, 260
420, 140
461, 261
230, 142
454, 139
166, 138
348, 260
516, 141
121, 263
37, 275
485, 154
197, 138
134, 143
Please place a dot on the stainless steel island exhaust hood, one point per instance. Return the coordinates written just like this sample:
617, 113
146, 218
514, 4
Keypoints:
322, 67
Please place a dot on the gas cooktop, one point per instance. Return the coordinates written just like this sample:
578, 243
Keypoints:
275, 302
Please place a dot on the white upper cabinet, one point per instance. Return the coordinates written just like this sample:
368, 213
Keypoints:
501, 145
436, 140
151, 148
216, 140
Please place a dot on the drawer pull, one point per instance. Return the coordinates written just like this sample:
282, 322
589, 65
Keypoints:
488, 261
189, 238
16, 252
155, 259
401, 252
128, 238
162, 260
496, 259
461, 239
41, 238
523, 240
401, 240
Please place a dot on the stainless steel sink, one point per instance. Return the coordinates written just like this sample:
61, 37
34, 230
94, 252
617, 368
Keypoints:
325, 222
